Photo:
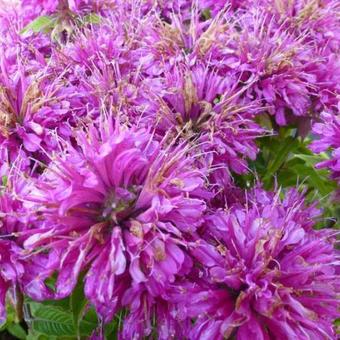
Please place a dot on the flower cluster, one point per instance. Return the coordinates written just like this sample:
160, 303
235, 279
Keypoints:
124, 126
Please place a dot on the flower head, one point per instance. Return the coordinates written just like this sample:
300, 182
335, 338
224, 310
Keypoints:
268, 272
201, 107
118, 207
35, 108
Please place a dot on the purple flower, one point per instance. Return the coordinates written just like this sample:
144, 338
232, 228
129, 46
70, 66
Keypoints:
35, 108
12, 221
279, 62
279, 66
107, 72
11, 270
202, 107
268, 273
121, 127
319, 19
306, 47
164, 316
119, 206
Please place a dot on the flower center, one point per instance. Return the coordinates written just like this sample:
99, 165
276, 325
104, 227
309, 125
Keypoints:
119, 204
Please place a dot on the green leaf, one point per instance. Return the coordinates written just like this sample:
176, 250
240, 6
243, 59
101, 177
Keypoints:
317, 179
111, 330
86, 327
4, 180
3, 326
279, 156
17, 331
265, 121
63, 303
310, 160
84, 323
287, 178
92, 18
206, 13
77, 304
53, 321
32, 335
91, 316
43, 23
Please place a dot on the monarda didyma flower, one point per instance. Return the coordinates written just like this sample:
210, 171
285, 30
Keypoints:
119, 207
269, 275
202, 108
34, 107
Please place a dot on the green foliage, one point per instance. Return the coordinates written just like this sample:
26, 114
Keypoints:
286, 161
51, 320
16, 330
77, 305
4, 180
71, 318
56, 24
43, 23
206, 14
92, 18
12, 324
278, 152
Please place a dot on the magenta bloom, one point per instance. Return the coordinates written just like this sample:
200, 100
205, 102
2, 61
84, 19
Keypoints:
128, 129
280, 64
11, 270
118, 207
277, 63
269, 275
169, 311
204, 107
11, 222
301, 39
199, 106
104, 71
35, 108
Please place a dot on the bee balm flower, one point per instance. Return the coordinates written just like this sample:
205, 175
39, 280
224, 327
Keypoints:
118, 207
270, 274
